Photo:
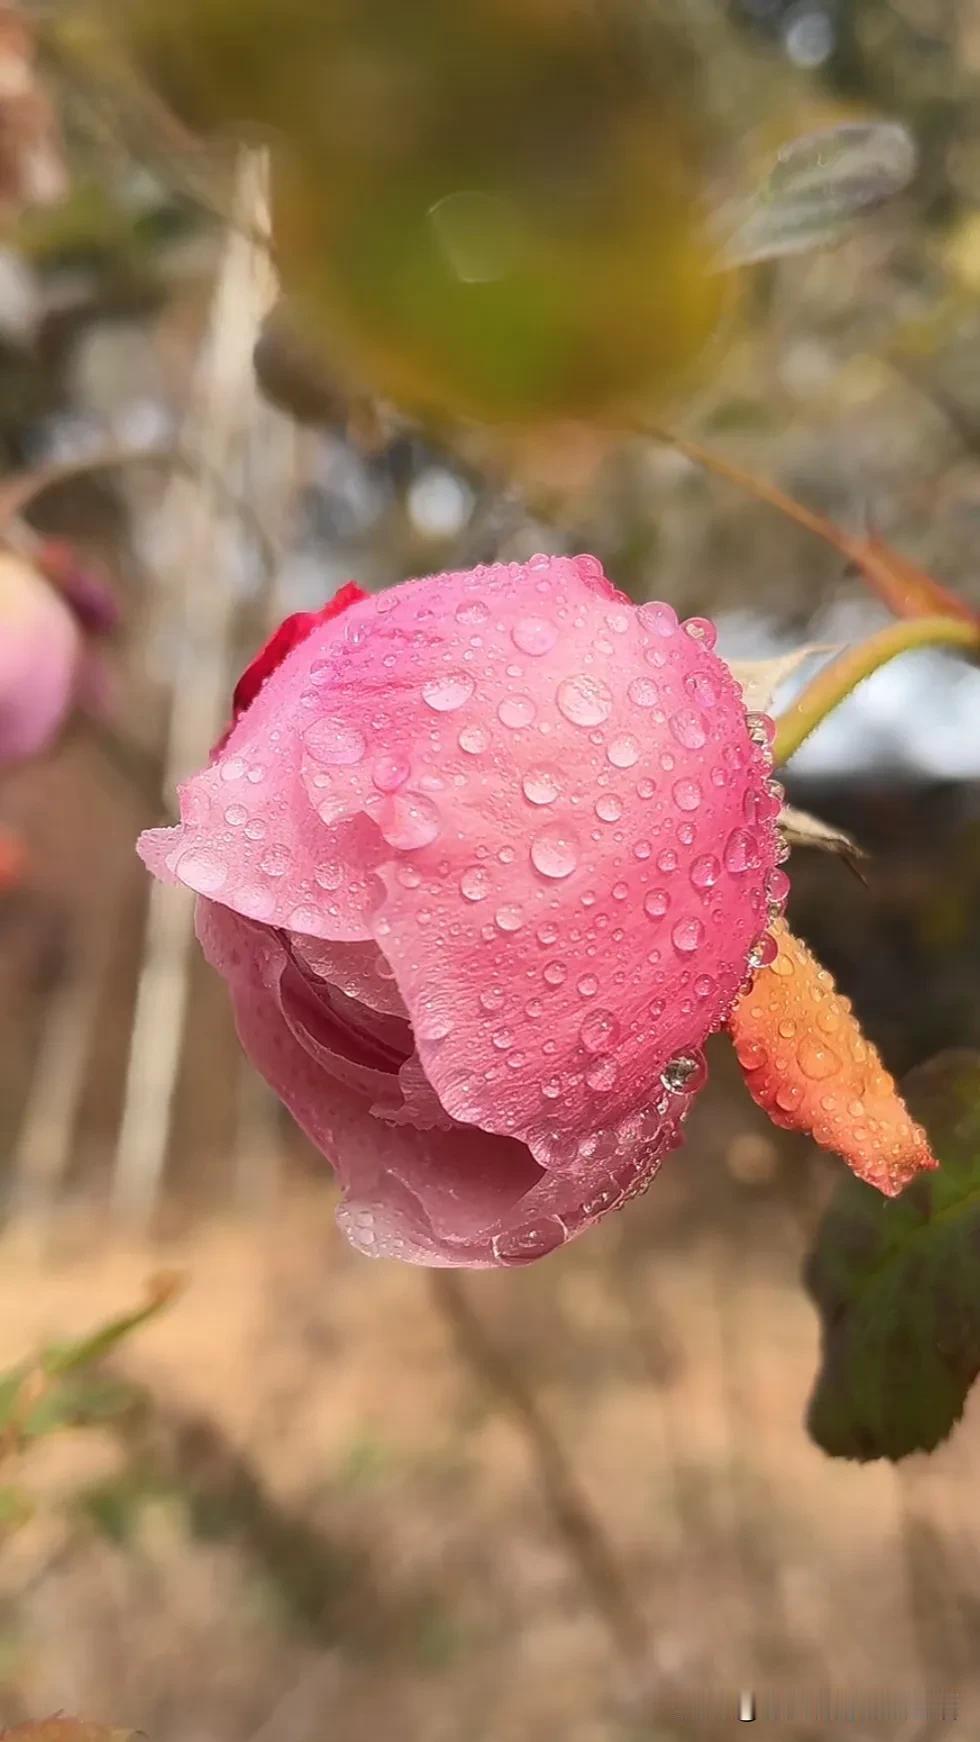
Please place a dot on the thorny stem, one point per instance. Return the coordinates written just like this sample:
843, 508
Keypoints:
574, 1518
842, 675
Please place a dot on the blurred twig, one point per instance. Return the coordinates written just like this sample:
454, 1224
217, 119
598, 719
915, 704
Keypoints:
580, 1528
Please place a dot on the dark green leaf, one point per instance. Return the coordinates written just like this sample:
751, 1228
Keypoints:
897, 1285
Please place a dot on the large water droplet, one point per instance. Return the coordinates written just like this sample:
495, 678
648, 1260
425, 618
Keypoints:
687, 935
588, 986
475, 883
599, 1031
660, 618
390, 770
585, 701
688, 728
685, 1074
702, 688
701, 629
623, 751
555, 973
275, 861
471, 613
643, 692
473, 739
492, 997
201, 871
554, 853
540, 786
447, 692
705, 871
687, 794
608, 808
601, 1075
407, 821
516, 711
233, 769
335, 742
534, 635
741, 852
667, 861
236, 814
656, 903
509, 917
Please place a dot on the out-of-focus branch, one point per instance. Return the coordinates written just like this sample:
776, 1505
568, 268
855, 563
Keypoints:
581, 1530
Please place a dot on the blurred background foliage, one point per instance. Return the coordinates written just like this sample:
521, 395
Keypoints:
501, 232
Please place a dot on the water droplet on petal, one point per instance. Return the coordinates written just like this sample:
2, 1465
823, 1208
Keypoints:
701, 629
656, 903
233, 769
608, 808
554, 853
702, 688
601, 1074
448, 691
407, 821
685, 1074
588, 986
687, 794
540, 786
599, 1031
555, 973
667, 861
509, 918
584, 700
643, 692
705, 871
201, 871
471, 613
516, 711
524, 1245
741, 852
390, 771
534, 635
473, 739
687, 935
236, 814
275, 861
688, 728
492, 997
474, 884
335, 742
660, 618
624, 751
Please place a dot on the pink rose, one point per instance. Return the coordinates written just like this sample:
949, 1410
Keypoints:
484, 860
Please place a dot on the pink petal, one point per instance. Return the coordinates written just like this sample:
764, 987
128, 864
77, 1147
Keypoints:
40, 655
248, 835
575, 840
439, 1197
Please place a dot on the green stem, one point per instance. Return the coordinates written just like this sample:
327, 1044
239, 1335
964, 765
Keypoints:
836, 681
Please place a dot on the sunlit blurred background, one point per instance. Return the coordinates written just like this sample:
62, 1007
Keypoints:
576, 1501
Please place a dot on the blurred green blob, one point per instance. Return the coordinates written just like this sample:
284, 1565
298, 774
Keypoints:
492, 209
897, 1284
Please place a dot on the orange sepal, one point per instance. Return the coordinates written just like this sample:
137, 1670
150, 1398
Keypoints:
808, 1065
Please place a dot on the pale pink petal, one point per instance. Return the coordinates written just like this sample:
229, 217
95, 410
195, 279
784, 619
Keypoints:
357, 969
40, 660
575, 832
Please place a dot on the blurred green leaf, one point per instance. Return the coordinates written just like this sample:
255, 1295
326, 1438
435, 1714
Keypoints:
897, 1285
819, 185
61, 1358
